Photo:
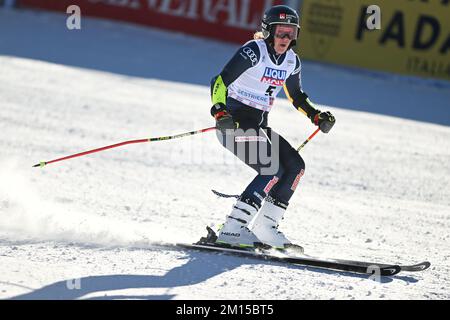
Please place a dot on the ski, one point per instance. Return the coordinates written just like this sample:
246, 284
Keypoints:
416, 267
409, 268
330, 264
208, 244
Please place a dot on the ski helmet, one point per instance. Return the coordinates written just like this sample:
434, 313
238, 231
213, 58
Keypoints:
280, 14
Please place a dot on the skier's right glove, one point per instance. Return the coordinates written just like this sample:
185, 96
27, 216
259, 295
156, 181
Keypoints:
325, 121
224, 121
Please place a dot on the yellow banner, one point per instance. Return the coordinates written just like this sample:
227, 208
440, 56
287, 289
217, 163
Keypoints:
413, 39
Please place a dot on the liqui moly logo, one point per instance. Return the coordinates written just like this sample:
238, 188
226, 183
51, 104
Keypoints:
274, 77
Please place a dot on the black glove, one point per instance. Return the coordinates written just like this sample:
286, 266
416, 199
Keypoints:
325, 121
224, 121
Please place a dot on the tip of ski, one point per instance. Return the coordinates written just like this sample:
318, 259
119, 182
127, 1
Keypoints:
417, 267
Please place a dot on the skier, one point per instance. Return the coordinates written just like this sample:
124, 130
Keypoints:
242, 96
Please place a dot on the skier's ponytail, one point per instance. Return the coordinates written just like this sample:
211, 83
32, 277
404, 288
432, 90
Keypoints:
258, 35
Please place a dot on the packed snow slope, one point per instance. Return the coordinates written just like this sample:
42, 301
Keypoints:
376, 187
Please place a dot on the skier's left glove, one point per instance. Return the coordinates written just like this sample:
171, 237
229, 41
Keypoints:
224, 120
325, 121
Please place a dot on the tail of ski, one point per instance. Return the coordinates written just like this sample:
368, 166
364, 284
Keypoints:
224, 195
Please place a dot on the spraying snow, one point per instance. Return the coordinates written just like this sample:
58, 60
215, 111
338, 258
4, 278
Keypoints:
28, 216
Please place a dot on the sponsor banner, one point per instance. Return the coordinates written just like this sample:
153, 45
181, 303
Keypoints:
227, 20
413, 39
274, 77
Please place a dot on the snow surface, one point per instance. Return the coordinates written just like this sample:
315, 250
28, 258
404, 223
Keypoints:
376, 187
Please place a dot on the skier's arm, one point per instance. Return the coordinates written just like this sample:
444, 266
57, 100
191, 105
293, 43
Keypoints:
246, 57
300, 100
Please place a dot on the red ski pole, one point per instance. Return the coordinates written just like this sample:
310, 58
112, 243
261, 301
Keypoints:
307, 140
44, 163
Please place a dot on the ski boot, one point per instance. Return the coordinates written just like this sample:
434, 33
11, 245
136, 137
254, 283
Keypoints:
265, 226
235, 232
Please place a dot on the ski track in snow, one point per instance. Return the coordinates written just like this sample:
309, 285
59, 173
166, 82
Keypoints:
376, 188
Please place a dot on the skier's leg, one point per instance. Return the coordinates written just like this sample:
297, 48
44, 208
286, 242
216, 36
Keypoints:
266, 223
294, 169
254, 148
280, 175
259, 149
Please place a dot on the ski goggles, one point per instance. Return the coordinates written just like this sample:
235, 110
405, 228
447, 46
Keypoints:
286, 31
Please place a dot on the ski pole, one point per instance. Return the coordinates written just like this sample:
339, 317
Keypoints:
44, 163
307, 140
